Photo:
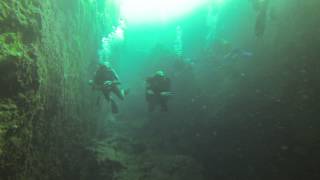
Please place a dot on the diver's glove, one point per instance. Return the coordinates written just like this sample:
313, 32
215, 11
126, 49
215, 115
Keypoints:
91, 83
166, 93
110, 83
107, 83
150, 92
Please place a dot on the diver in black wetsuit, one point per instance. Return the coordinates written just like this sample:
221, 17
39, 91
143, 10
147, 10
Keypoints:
107, 81
261, 7
158, 91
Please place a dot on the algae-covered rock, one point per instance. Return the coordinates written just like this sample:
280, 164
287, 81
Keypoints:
9, 122
46, 49
11, 45
20, 16
14, 62
19, 22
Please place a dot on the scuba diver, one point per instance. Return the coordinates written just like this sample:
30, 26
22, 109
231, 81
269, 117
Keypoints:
225, 50
158, 91
237, 53
261, 7
107, 81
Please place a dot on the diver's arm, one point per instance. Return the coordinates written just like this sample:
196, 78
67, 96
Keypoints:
167, 88
115, 80
149, 90
93, 82
116, 77
93, 85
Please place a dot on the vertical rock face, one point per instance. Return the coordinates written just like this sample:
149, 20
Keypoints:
19, 105
47, 114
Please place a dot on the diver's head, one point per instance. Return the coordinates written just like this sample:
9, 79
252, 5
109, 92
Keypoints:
159, 74
105, 64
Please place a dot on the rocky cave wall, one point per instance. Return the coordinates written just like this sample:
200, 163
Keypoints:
47, 110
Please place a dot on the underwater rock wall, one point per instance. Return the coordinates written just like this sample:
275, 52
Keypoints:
47, 109
19, 82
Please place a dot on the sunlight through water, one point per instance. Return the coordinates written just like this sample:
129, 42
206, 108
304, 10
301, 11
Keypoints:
148, 11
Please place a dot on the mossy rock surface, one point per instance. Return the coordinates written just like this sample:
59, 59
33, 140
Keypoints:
45, 123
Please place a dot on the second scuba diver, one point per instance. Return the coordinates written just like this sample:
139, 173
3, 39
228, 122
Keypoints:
158, 91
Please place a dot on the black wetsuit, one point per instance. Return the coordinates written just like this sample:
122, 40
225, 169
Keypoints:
102, 75
261, 20
157, 85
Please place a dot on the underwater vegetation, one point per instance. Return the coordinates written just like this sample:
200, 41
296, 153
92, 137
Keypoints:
19, 84
33, 69
244, 99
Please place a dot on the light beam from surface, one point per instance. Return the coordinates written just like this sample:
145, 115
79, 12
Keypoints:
149, 11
